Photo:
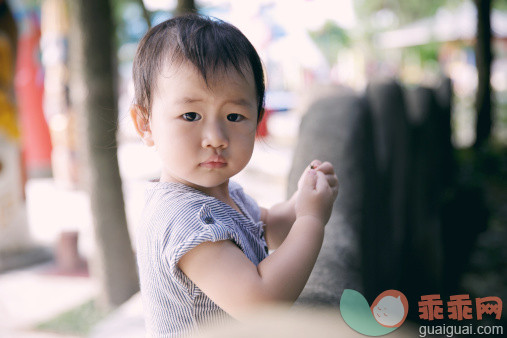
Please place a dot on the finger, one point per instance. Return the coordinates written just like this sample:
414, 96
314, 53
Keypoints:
336, 189
332, 180
315, 164
309, 180
303, 175
321, 184
326, 168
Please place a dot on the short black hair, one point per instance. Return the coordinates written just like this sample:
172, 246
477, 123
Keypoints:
208, 43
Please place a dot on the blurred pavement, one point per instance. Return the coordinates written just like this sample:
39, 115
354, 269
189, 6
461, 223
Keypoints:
33, 295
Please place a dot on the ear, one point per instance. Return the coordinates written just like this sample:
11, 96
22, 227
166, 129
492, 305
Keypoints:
142, 124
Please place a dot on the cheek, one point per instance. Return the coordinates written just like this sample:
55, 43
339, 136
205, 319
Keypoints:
247, 141
174, 141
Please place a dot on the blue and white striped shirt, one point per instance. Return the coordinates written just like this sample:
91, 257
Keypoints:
176, 219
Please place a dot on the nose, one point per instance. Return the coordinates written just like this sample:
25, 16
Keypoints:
214, 136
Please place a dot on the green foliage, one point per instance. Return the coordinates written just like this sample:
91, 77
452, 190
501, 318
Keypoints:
77, 321
500, 115
406, 11
427, 53
131, 19
329, 39
500, 5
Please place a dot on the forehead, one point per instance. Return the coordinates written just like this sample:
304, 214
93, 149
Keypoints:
183, 76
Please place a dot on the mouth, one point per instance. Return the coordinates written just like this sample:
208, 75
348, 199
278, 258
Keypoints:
214, 162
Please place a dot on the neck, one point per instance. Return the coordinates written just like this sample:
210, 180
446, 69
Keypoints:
220, 192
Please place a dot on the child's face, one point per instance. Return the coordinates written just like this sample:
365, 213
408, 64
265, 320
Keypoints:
203, 135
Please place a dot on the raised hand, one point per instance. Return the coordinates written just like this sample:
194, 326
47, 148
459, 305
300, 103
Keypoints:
328, 170
315, 196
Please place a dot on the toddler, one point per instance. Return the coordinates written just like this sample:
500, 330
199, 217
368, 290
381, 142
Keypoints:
202, 247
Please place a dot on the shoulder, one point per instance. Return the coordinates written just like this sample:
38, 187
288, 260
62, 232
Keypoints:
249, 204
174, 197
175, 209
236, 190
183, 210
235, 187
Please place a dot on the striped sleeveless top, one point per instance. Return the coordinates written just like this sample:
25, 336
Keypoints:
176, 218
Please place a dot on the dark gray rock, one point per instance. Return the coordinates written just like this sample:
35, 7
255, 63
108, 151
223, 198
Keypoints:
424, 258
336, 129
392, 153
444, 96
464, 211
383, 241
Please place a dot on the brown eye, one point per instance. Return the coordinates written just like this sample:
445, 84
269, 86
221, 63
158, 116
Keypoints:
235, 117
191, 117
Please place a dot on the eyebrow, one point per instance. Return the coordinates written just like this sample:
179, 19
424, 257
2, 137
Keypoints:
240, 102
237, 102
187, 100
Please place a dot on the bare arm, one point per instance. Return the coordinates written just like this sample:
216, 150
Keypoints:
235, 284
279, 220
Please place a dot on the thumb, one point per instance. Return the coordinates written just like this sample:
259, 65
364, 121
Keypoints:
321, 183
310, 180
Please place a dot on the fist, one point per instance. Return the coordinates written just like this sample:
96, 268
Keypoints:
315, 195
327, 169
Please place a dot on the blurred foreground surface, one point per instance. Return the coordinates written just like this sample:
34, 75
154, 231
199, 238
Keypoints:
33, 295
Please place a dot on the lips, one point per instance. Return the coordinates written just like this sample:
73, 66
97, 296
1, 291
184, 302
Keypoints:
214, 162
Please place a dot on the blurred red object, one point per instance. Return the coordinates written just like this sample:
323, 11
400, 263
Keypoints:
29, 85
262, 128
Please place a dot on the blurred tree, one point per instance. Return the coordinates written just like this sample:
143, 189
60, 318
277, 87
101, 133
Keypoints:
405, 11
185, 6
94, 98
500, 5
132, 20
8, 25
329, 39
14, 237
483, 59
146, 13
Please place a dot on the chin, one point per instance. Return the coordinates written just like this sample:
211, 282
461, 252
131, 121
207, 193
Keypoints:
210, 183
212, 178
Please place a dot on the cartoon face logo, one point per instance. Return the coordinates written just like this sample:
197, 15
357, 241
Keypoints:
390, 308
388, 312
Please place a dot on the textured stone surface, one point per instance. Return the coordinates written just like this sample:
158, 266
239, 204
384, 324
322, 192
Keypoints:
383, 242
424, 259
400, 208
444, 96
335, 129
